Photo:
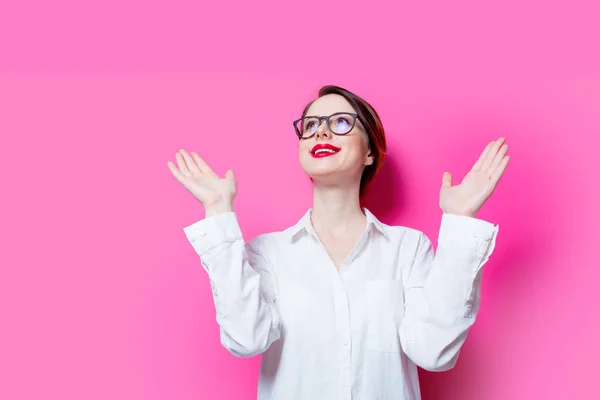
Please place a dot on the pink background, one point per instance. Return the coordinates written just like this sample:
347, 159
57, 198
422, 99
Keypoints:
101, 296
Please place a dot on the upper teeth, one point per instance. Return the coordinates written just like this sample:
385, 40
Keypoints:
324, 150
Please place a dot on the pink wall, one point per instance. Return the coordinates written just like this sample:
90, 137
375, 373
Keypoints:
101, 297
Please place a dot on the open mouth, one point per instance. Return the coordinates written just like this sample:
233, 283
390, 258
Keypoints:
324, 150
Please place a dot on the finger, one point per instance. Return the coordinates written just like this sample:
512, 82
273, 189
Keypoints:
176, 173
201, 163
489, 157
499, 171
479, 162
182, 165
189, 161
447, 180
229, 175
497, 159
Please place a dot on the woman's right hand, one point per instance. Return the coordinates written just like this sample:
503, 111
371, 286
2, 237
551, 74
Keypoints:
216, 194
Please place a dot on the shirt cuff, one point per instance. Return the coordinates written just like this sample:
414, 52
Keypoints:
460, 229
211, 232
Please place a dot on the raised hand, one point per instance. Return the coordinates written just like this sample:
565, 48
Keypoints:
216, 194
479, 183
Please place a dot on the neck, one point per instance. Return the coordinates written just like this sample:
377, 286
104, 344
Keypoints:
336, 209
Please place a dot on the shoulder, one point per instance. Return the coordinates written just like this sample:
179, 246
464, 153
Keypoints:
404, 238
267, 242
401, 232
280, 240
395, 234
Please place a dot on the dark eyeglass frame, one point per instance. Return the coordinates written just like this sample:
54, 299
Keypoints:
326, 118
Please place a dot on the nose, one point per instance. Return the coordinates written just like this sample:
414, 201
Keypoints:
322, 130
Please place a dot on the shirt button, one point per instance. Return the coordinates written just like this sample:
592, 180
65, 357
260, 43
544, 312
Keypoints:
202, 233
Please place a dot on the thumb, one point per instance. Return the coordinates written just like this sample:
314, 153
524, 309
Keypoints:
447, 180
229, 175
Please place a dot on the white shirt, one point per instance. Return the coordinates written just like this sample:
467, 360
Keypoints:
358, 333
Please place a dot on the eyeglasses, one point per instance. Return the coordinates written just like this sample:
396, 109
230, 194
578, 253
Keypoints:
340, 123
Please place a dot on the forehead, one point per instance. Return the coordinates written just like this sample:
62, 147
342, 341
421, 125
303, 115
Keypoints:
329, 104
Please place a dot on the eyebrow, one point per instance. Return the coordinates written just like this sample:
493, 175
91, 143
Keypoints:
337, 112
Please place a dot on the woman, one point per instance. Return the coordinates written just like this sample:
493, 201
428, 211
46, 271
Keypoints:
341, 305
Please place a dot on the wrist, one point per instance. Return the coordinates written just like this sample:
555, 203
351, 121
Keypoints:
461, 213
218, 209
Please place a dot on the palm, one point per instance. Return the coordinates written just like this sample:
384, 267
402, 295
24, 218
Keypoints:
200, 180
479, 183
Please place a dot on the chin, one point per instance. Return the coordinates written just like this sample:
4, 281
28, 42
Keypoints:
320, 172
320, 168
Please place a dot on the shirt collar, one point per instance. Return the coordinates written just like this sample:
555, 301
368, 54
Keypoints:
374, 222
305, 225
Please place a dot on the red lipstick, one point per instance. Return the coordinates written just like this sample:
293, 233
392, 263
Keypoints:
324, 150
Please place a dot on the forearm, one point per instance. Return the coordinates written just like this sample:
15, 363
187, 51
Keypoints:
245, 308
441, 308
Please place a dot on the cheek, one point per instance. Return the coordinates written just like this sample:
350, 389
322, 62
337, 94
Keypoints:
358, 147
304, 154
304, 146
303, 149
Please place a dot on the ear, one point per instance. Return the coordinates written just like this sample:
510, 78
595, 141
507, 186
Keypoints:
370, 159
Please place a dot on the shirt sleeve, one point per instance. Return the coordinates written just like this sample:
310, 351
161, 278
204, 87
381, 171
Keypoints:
243, 284
442, 291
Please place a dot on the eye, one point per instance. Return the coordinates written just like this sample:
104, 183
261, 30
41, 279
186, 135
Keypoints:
310, 124
342, 122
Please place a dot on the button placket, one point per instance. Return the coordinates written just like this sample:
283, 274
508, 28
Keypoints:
342, 332
342, 320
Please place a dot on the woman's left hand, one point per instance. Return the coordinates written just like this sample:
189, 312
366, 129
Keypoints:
479, 183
